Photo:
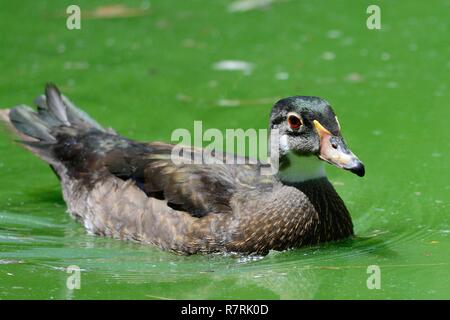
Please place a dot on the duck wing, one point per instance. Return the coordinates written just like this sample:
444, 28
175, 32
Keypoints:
198, 189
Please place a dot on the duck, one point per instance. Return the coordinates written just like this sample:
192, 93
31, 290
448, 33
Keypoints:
130, 190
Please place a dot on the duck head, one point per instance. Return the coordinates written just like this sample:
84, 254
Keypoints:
309, 135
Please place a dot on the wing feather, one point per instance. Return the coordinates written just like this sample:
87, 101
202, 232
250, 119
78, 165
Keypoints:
198, 189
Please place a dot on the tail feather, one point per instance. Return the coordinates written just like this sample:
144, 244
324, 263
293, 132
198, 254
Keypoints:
54, 111
56, 106
44, 112
29, 123
55, 120
78, 116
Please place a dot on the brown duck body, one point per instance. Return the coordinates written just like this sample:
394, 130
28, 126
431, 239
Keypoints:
130, 190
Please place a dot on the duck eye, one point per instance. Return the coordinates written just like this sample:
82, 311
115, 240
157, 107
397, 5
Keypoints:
294, 121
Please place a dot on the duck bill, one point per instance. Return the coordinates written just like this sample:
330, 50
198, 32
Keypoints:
334, 151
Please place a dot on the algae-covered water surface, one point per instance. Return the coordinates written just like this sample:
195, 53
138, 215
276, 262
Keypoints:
148, 68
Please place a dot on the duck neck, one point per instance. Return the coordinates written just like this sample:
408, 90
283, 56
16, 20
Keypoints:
308, 175
334, 221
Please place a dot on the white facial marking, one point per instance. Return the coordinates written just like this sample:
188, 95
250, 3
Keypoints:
284, 144
337, 120
302, 168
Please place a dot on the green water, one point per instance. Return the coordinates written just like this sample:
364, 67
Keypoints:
148, 75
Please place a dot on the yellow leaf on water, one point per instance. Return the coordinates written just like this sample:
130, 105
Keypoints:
114, 11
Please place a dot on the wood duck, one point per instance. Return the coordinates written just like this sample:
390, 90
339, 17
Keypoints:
132, 190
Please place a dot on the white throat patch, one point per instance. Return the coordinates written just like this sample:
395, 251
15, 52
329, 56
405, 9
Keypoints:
302, 168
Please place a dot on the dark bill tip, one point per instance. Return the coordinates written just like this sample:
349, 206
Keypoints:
358, 169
